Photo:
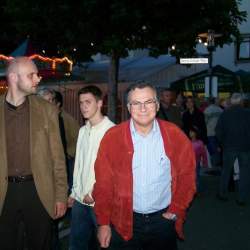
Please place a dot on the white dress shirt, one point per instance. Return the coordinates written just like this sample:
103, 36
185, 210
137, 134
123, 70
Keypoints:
151, 171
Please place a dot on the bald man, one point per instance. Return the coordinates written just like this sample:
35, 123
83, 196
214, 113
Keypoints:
33, 185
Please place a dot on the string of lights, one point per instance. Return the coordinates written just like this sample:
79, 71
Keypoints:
54, 61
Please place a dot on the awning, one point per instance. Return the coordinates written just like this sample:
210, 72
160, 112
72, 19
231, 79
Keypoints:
228, 81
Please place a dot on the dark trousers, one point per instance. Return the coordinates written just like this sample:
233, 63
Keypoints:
149, 233
22, 206
229, 158
70, 170
212, 147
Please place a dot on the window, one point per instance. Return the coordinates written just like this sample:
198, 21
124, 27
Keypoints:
243, 48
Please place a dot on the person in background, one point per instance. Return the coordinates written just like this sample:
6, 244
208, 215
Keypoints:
212, 114
200, 154
202, 103
69, 128
47, 94
225, 103
180, 102
83, 222
168, 110
233, 133
33, 184
193, 117
145, 178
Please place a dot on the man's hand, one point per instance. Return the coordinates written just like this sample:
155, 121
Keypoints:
60, 209
88, 200
169, 216
104, 235
70, 201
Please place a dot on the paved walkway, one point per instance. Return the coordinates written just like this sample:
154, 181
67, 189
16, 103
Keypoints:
213, 224
216, 225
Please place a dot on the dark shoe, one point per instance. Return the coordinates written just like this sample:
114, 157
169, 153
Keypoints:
221, 197
241, 203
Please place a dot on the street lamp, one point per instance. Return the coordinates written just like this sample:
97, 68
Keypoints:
210, 36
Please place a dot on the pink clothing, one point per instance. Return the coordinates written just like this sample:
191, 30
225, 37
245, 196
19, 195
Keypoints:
200, 152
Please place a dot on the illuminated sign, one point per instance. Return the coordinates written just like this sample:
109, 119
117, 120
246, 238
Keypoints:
193, 60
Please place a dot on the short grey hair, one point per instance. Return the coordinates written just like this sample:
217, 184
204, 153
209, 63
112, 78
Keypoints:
236, 98
45, 91
141, 85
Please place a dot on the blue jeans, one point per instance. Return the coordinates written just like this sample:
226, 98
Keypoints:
83, 227
212, 148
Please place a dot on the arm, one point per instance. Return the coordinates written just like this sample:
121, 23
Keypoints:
103, 193
183, 177
104, 235
103, 188
71, 133
76, 163
73, 194
59, 167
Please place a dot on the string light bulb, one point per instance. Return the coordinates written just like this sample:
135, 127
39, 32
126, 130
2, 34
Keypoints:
53, 61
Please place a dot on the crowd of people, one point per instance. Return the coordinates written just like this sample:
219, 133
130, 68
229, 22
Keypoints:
218, 129
125, 186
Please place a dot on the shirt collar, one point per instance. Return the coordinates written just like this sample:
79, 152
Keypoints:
134, 132
20, 107
88, 125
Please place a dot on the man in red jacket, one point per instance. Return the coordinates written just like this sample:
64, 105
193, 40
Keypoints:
145, 178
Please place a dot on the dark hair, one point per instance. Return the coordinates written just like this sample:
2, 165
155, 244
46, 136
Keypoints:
196, 130
140, 85
58, 98
168, 89
91, 89
190, 98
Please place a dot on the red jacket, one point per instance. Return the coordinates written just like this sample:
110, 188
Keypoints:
113, 189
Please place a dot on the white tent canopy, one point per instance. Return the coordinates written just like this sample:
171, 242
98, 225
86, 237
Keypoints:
137, 66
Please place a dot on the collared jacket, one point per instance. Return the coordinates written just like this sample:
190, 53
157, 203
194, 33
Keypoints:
113, 190
46, 152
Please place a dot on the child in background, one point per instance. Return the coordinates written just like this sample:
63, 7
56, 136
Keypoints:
200, 153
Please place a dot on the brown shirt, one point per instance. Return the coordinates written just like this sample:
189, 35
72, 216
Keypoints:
17, 124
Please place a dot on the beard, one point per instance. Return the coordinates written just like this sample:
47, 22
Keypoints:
26, 89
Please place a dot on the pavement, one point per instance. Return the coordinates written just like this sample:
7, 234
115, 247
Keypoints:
216, 225
211, 224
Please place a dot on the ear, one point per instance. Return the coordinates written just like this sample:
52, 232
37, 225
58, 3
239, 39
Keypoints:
100, 103
129, 107
12, 77
157, 106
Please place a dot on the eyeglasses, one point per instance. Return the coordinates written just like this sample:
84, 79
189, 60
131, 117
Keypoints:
147, 104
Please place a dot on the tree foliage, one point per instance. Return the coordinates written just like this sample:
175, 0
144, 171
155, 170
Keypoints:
106, 25
113, 27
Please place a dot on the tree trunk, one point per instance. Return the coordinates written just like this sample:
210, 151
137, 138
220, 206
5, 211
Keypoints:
113, 86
